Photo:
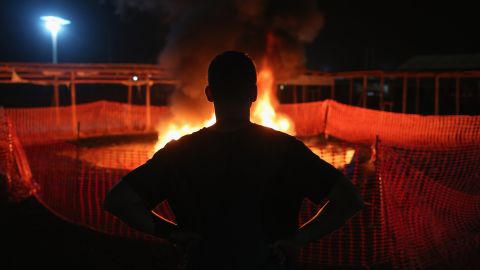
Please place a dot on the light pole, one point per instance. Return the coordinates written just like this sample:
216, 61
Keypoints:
54, 24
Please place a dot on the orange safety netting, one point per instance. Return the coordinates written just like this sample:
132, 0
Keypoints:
40, 125
422, 191
354, 124
15, 175
362, 240
432, 200
349, 123
309, 118
74, 189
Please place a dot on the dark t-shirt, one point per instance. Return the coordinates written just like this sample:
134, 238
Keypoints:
240, 190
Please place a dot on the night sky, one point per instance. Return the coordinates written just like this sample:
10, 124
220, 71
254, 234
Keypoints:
356, 35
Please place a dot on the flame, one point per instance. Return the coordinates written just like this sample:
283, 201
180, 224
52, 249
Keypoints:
175, 131
263, 113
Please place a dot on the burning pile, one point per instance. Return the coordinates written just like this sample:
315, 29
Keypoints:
264, 109
263, 113
272, 32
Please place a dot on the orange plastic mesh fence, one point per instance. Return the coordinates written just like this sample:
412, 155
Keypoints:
15, 175
41, 125
422, 193
309, 118
74, 190
432, 200
349, 123
362, 240
354, 124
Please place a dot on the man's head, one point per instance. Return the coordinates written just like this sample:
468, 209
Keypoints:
232, 79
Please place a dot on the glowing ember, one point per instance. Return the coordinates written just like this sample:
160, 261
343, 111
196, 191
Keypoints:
338, 157
263, 113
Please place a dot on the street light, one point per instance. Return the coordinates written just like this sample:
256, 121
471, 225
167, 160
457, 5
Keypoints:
54, 24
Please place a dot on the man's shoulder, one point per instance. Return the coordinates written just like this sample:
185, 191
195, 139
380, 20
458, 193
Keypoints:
175, 147
186, 141
277, 136
205, 136
270, 132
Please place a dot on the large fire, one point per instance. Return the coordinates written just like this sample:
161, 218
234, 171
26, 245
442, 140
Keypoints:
175, 131
263, 113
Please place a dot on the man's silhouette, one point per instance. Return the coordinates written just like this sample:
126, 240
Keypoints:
235, 187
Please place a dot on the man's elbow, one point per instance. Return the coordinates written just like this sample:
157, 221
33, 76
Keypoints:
120, 197
358, 203
354, 201
110, 204
348, 197
114, 198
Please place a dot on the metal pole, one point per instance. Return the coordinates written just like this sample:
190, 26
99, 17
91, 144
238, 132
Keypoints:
350, 92
437, 96
129, 105
54, 47
404, 95
148, 111
417, 95
332, 90
364, 92
382, 92
457, 95
304, 93
56, 97
295, 94
73, 98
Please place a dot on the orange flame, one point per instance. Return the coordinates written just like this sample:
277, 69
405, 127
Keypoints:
263, 113
175, 131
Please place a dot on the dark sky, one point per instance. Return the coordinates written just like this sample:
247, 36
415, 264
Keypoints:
357, 34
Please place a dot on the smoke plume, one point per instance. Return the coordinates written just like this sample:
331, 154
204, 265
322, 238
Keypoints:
199, 30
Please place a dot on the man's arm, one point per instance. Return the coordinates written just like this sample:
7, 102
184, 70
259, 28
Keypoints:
123, 202
344, 202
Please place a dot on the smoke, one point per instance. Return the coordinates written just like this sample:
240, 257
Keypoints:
199, 30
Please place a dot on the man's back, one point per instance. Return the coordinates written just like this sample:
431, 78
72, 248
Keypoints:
238, 185
240, 190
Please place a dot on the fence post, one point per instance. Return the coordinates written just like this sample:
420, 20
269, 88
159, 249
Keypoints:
457, 95
332, 89
73, 98
304, 93
382, 92
364, 91
385, 226
56, 97
325, 121
295, 99
404, 94
350, 92
129, 97
148, 111
437, 95
417, 95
